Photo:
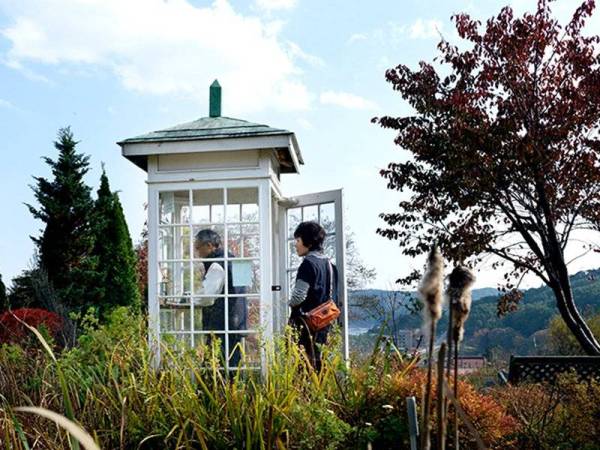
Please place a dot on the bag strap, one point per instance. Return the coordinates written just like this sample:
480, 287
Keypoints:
330, 280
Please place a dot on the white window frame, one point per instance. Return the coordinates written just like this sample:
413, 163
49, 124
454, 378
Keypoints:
265, 254
337, 198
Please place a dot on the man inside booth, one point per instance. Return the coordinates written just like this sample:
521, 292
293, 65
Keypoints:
208, 244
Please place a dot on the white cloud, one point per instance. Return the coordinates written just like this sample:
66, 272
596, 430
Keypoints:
272, 5
394, 33
384, 63
297, 52
397, 32
425, 29
305, 124
346, 100
5, 104
357, 37
162, 48
28, 73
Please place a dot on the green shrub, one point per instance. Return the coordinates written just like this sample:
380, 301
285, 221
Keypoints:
192, 403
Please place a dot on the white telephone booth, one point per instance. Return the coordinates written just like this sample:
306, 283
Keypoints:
224, 175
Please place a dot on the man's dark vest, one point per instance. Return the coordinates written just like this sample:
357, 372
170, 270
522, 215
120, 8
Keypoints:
213, 317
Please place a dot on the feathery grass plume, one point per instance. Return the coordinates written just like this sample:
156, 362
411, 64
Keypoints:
430, 293
459, 293
459, 298
431, 286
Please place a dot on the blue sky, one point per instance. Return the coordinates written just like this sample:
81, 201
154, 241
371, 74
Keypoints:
113, 69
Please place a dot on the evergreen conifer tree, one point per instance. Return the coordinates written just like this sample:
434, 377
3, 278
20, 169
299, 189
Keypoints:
66, 208
21, 293
114, 251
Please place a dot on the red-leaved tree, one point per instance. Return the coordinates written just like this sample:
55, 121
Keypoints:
13, 330
503, 150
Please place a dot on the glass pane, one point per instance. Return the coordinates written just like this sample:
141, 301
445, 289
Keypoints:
329, 247
199, 273
174, 279
215, 285
198, 277
208, 206
174, 207
166, 243
238, 313
243, 240
291, 281
244, 350
249, 213
234, 213
182, 241
205, 235
175, 317
327, 212
210, 313
293, 259
173, 243
310, 213
234, 238
250, 241
198, 315
242, 205
253, 315
294, 217
245, 277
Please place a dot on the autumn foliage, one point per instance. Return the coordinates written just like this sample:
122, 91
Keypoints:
13, 330
561, 415
490, 418
503, 150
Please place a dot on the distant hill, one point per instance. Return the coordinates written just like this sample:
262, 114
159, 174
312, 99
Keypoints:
484, 292
515, 332
360, 321
382, 293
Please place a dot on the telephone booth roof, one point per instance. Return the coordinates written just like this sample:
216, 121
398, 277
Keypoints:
215, 134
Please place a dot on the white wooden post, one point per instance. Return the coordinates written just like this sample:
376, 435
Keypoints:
153, 307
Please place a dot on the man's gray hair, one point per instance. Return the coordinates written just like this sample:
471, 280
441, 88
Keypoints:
209, 236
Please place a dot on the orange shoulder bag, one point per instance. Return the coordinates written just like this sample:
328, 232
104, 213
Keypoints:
318, 318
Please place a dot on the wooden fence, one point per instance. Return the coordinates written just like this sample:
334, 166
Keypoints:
546, 368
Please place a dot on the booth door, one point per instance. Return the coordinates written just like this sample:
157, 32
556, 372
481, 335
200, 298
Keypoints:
326, 208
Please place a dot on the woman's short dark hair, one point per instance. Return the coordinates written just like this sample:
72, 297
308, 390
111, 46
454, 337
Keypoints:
208, 236
312, 235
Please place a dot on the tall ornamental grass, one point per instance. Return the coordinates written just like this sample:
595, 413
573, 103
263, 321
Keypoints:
114, 394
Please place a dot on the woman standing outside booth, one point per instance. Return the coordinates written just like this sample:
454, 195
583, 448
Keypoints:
316, 283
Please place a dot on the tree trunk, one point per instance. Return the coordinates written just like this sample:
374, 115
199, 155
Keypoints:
558, 275
570, 314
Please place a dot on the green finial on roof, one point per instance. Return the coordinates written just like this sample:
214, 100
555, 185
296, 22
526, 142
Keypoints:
215, 100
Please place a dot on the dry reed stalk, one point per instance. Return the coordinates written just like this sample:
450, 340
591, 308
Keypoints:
74, 430
459, 298
441, 400
430, 292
